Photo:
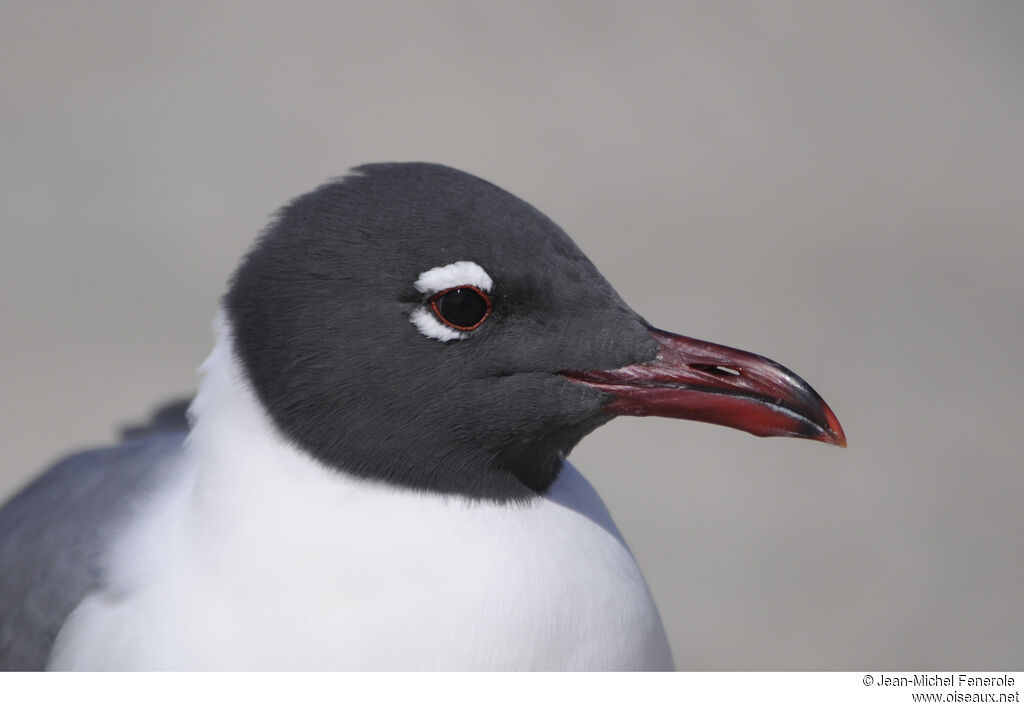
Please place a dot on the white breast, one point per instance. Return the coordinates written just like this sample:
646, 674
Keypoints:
260, 558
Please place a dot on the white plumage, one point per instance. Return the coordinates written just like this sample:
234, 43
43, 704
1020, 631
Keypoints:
258, 557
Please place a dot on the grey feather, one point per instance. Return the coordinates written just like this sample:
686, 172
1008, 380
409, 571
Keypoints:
170, 417
53, 534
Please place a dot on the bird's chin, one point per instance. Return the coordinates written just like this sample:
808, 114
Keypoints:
537, 461
696, 380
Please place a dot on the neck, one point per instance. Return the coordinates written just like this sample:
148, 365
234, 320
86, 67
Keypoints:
244, 466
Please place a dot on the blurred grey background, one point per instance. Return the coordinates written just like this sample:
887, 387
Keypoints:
838, 186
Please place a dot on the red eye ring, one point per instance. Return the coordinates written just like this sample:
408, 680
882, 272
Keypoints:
435, 305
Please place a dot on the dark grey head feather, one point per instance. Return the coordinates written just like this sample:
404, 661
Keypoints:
320, 311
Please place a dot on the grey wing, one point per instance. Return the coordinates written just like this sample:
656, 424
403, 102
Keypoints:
54, 532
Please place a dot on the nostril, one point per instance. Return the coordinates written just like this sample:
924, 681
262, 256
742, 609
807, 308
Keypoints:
715, 369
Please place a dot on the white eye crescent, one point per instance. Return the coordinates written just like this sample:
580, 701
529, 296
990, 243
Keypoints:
459, 300
452, 275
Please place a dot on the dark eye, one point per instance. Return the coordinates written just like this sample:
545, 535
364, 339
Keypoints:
463, 307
